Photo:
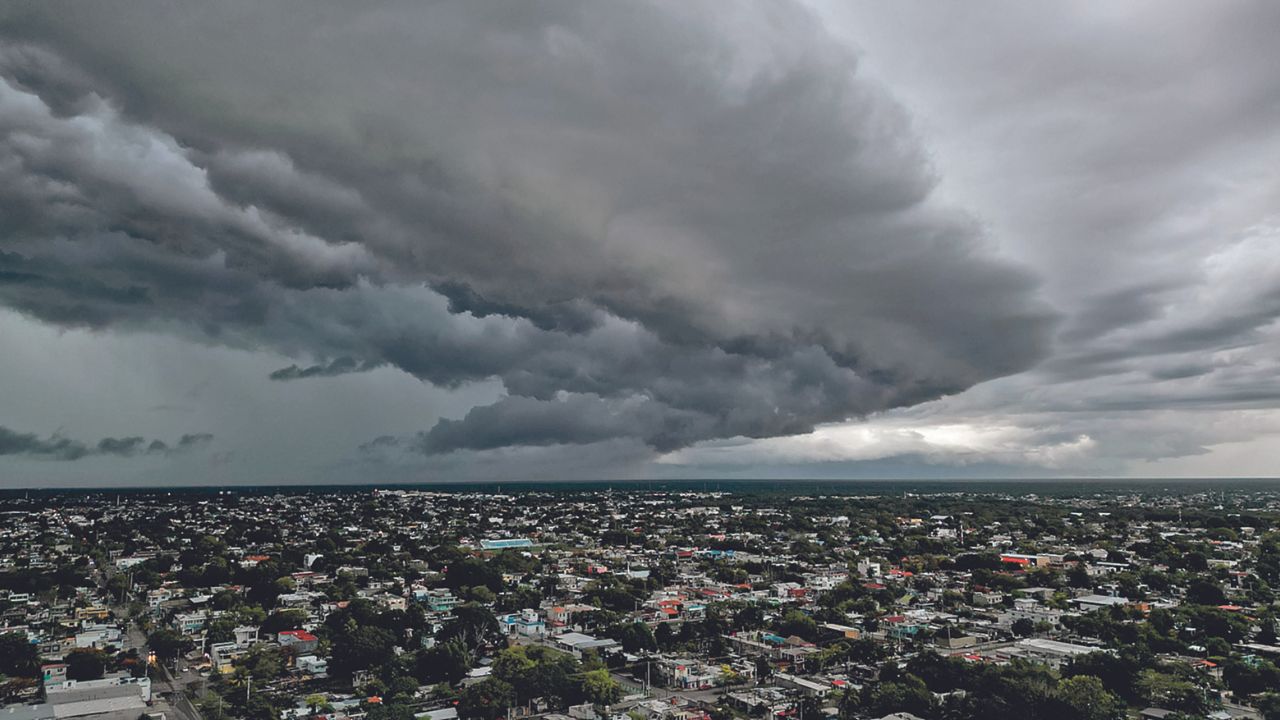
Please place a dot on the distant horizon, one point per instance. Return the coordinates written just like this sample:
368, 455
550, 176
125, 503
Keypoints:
795, 486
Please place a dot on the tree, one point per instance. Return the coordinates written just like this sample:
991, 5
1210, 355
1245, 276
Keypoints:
797, 623
18, 657
750, 617
1205, 592
317, 702
514, 666
599, 687
1170, 692
1269, 706
907, 694
1078, 577
85, 664
665, 636
262, 662
1023, 627
1119, 673
168, 644
486, 700
634, 636
446, 662
469, 572
1252, 677
1084, 697
472, 624
364, 646
283, 620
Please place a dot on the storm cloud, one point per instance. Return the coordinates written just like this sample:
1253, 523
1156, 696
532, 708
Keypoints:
716, 237
59, 447
648, 222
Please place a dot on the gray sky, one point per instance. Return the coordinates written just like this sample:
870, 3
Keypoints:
335, 242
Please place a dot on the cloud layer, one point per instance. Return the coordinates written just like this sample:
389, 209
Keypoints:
649, 222
818, 235
58, 447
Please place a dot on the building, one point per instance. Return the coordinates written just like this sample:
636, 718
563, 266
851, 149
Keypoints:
576, 643
505, 543
527, 623
1089, 603
300, 641
1053, 653
312, 665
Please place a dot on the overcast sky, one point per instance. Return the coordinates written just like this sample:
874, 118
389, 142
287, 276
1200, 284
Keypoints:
318, 242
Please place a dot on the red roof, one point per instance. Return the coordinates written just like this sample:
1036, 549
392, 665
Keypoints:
300, 635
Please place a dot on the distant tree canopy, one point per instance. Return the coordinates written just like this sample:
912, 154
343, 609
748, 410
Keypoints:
470, 572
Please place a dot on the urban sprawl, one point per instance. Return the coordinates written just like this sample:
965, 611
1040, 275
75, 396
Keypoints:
638, 605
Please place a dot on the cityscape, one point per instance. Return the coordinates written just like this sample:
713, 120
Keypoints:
639, 360
675, 603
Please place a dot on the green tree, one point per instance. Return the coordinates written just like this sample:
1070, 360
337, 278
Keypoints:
470, 572
600, 689
634, 636
85, 664
18, 657
1205, 592
1084, 697
446, 662
472, 624
486, 700
1023, 627
283, 620
514, 666
1269, 706
905, 694
361, 647
798, 623
168, 644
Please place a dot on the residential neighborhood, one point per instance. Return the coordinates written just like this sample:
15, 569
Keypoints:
400, 603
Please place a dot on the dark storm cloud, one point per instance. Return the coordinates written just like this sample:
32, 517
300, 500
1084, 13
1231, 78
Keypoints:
661, 223
339, 366
58, 447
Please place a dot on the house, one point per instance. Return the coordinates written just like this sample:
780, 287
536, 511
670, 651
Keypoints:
807, 687
527, 623
300, 641
222, 655
1089, 603
190, 623
441, 600
576, 643
312, 665
685, 673
246, 635
54, 673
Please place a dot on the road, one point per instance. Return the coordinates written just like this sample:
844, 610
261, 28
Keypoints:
168, 693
